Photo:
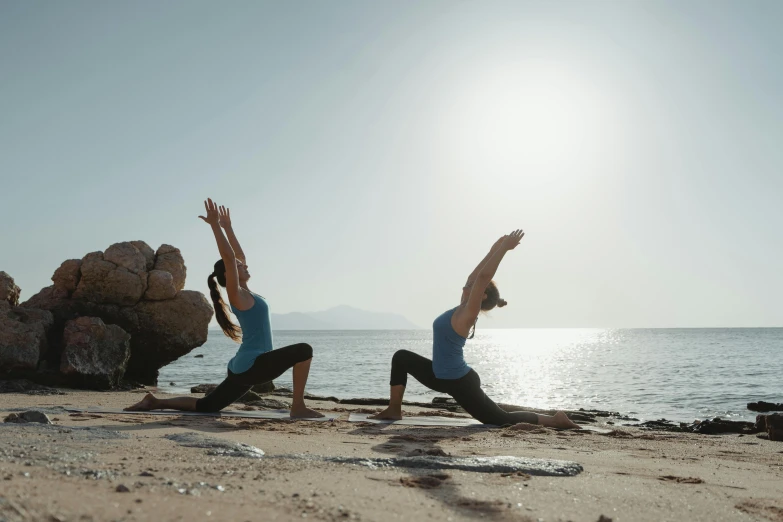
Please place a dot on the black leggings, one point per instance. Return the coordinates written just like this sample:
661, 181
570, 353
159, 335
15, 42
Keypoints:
465, 390
267, 366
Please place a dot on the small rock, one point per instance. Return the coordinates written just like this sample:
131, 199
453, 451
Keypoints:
122, 488
172, 384
28, 416
146, 474
604, 518
199, 356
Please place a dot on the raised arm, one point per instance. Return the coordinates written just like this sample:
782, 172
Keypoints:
474, 274
225, 222
236, 296
465, 316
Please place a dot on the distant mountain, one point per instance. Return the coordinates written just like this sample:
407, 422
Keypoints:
341, 318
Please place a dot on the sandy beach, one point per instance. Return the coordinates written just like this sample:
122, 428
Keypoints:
125, 468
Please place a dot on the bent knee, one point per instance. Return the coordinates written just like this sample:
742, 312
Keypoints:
304, 352
401, 355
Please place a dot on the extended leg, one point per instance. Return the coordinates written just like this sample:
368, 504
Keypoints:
226, 392
471, 397
150, 402
468, 394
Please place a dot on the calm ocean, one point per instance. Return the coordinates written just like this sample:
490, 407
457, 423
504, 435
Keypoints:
679, 374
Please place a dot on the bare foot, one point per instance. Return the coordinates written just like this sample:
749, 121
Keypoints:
146, 404
387, 414
562, 421
303, 412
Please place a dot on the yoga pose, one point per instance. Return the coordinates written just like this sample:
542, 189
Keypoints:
255, 362
447, 372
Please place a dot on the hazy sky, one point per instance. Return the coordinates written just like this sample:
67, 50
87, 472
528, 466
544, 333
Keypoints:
372, 152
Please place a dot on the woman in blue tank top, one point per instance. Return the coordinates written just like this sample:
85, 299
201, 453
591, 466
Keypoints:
255, 362
448, 372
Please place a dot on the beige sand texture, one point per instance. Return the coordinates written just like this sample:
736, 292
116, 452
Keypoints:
70, 474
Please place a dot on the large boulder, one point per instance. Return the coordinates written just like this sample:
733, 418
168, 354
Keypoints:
137, 289
95, 355
9, 292
23, 339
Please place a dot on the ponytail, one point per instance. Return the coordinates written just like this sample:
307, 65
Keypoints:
492, 300
230, 329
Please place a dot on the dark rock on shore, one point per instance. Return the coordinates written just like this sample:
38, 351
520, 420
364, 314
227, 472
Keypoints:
28, 416
772, 424
269, 404
95, 354
762, 406
662, 425
714, 426
717, 426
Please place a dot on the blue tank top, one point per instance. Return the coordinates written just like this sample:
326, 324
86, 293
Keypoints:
256, 334
447, 359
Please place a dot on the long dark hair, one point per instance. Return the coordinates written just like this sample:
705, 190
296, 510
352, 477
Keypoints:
218, 277
493, 300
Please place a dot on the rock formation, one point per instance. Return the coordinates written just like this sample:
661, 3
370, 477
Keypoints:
113, 314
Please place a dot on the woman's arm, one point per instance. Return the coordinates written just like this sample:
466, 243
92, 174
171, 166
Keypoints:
465, 316
225, 222
235, 294
474, 274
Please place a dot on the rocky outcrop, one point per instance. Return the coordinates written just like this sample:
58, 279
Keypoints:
138, 290
9, 292
95, 355
23, 339
762, 406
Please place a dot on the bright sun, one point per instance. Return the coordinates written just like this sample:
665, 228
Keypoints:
536, 117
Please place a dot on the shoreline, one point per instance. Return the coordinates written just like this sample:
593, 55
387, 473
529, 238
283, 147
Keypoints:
73, 470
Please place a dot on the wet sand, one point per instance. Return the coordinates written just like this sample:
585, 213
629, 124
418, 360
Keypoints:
67, 472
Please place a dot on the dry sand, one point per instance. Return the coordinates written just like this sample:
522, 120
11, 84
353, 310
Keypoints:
60, 473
